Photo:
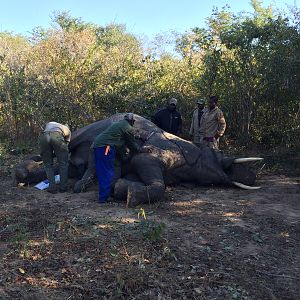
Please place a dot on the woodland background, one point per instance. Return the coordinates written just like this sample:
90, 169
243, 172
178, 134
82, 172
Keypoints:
76, 72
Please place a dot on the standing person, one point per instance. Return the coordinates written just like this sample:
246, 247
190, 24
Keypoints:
169, 119
105, 153
55, 140
213, 124
195, 125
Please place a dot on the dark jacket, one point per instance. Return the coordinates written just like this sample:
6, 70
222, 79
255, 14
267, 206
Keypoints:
169, 121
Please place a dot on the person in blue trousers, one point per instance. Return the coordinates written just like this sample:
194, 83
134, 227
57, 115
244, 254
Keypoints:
106, 145
105, 153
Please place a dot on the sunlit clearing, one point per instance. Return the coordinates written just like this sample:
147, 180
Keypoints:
29, 254
39, 243
243, 202
33, 254
231, 214
190, 203
126, 220
45, 282
103, 226
284, 234
234, 220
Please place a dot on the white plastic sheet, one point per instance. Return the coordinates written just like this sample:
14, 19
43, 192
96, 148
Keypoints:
45, 184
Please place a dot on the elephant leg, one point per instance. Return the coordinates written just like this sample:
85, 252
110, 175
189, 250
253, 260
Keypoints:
89, 175
150, 172
122, 186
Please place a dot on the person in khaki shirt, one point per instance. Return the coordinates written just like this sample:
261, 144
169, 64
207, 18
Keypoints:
212, 125
55, 140
195, 124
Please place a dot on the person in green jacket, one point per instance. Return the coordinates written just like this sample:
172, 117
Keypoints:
106, 151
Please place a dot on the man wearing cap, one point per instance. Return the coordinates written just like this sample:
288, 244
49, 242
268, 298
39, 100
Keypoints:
195, 125
54, 141
105, 154
169, 119
213, 124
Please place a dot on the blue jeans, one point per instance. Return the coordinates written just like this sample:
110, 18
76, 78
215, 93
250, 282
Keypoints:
105, 169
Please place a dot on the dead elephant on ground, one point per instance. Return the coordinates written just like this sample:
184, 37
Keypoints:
172, 160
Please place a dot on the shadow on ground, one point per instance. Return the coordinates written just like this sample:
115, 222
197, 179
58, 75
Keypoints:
199, 243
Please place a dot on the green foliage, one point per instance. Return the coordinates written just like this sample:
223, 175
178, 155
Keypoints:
251, 63
3, 150
77, 72
67, 23
151, 230
16, 230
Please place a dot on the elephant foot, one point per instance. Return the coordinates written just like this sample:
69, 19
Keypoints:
138, 194
121, 188
80, 187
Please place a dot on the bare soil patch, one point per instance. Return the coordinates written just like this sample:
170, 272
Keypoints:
199, 243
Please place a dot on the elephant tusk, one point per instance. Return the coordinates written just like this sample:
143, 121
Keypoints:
245, 187
247, 159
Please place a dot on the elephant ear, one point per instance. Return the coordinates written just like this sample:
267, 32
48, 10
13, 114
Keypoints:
189, 151
141, 134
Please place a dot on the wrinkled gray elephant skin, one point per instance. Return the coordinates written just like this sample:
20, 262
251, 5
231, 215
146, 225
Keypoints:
171, 160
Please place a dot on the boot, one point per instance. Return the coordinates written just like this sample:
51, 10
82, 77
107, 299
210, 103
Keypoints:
50, 175
63, 169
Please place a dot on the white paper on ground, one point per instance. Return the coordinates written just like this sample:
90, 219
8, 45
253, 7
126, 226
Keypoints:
45, 184
42, 185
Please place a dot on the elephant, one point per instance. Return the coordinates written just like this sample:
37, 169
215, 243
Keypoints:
170, 160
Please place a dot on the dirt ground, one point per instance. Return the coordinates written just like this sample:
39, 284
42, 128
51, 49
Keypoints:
199, 243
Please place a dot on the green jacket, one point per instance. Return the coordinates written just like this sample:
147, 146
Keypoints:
120, 135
